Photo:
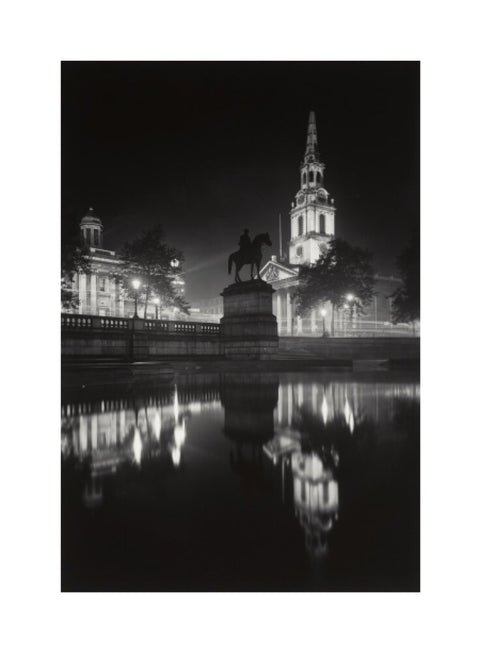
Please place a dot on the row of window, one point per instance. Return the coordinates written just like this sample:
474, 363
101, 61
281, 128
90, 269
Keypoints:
311, 177
301, 224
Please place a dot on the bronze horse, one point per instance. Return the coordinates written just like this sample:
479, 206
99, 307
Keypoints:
252, 256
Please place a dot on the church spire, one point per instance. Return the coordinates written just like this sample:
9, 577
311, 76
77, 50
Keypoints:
311, 151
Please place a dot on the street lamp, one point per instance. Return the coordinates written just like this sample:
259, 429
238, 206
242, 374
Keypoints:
136, 286
323, 312
156, 301
350, 305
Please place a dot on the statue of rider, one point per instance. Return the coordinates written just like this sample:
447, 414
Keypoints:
244, 243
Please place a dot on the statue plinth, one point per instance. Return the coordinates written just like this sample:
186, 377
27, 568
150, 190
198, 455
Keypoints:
249, 328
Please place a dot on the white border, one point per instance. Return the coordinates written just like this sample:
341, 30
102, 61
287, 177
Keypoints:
35, 37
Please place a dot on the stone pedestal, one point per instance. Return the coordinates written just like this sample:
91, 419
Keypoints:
249, 328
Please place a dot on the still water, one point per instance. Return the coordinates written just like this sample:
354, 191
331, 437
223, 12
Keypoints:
291, 482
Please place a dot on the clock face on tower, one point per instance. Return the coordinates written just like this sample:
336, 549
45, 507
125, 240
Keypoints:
300, 199
323, 248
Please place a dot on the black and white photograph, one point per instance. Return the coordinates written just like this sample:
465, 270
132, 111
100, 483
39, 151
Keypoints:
239, 280
240, 326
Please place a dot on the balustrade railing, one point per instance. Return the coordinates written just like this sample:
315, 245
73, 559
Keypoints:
114, 323
77, 321
156, 326
72, 322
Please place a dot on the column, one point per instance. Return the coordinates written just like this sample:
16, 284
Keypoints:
113, 296
93, 294
82, 294
289, 313
313, 321
278, 301
299, 325
120, 309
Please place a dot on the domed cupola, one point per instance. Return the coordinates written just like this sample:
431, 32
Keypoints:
92, 229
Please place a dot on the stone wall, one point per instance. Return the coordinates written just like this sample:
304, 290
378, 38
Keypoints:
350, 348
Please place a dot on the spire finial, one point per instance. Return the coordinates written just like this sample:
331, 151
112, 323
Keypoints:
312, 144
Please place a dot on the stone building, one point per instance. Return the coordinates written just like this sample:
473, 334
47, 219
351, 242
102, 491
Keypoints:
100, 292
312, 226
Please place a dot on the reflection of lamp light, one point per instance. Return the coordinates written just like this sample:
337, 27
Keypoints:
324, 409
176, 456
157, 425
137, 446
175, 405
349, 418
179, 434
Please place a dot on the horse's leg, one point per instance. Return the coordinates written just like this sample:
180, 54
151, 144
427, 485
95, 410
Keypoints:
238, 267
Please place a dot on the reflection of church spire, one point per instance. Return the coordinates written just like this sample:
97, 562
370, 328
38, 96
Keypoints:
311, 151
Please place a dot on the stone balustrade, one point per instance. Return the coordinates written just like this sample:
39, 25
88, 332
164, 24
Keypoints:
92, 336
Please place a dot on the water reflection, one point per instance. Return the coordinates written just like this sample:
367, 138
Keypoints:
313, 447
105, 435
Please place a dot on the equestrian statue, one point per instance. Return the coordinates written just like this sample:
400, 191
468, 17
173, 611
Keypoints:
250, 252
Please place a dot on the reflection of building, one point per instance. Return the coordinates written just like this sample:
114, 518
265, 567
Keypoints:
100, 292
111, 433
324, 414
315, 493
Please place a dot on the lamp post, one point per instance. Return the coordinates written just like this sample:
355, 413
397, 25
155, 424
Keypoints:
323, 312
350, 305
136, 285
156, 301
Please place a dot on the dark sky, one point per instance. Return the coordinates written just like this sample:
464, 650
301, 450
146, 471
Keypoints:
209, 148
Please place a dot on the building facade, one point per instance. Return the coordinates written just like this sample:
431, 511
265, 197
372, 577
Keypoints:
100, 291
312, 227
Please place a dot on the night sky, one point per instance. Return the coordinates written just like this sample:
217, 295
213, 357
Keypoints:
209, 148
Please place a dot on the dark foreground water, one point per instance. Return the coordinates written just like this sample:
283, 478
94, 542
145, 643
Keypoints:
243, 482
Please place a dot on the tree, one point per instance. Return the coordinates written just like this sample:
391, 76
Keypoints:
406, 299
342, 271
74, 256
150, 258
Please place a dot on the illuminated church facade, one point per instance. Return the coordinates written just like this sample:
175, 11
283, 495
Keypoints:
312, 227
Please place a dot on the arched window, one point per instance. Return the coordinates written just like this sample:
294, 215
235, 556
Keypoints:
319, 178
304, 178
89, 237
322, 223
310, 176
300, 224
95, 237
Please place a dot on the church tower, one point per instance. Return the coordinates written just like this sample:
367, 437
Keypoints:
312, 217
